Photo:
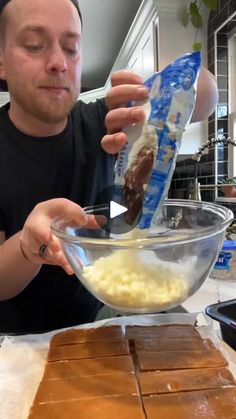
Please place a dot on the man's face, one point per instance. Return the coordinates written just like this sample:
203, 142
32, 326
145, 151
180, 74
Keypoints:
41, 57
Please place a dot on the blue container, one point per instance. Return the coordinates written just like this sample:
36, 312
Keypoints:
225, 266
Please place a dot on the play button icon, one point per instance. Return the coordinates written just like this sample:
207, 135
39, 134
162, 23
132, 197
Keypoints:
116, 209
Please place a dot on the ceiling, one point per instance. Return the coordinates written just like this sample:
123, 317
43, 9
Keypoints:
105, 26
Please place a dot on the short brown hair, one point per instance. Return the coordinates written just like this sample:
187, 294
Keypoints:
76, 4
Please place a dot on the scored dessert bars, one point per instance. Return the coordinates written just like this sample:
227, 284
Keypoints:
147, 372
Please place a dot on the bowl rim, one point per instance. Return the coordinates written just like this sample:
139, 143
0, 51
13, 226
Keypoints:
157, 240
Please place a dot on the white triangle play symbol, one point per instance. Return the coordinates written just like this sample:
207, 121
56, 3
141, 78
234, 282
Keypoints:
116, 209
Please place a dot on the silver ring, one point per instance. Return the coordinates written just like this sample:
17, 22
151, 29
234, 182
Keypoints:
43, 251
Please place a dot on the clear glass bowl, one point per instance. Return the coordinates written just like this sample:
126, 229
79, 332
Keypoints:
150, 270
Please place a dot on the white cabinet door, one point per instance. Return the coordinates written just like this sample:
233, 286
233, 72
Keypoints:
139, 50
143, 60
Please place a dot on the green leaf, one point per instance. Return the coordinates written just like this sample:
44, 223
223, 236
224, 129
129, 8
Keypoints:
197, 20
193, 9
197, 46
196, 17
211, 4
185, 18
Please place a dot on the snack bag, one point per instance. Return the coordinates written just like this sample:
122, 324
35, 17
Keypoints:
146, 162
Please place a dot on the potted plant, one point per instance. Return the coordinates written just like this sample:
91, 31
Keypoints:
229, 187
193, 15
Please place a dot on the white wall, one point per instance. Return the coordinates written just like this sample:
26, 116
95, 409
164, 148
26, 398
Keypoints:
175, 40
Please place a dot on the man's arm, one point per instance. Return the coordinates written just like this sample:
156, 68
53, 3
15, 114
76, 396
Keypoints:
20, 258
15, 270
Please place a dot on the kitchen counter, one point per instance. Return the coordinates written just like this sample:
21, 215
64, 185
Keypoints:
212, 291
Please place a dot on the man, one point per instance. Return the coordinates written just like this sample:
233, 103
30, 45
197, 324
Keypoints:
49, 152
53, 160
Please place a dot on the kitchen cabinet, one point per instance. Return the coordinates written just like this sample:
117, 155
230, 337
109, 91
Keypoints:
139, 50
144, 60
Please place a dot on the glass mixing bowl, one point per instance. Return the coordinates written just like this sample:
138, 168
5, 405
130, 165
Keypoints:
146, 271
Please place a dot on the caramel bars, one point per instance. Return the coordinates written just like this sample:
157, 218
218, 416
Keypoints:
151, 372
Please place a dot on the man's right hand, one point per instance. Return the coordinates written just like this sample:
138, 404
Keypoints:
37, 231
126, 86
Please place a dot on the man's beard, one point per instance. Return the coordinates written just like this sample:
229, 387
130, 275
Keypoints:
42, 108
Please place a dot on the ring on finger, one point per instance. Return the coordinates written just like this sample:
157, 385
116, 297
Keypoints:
43, 251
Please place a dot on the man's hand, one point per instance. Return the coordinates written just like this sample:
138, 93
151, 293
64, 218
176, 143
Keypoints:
37, 235
126, 86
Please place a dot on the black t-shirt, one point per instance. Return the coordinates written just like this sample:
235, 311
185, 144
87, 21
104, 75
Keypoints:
32, 169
